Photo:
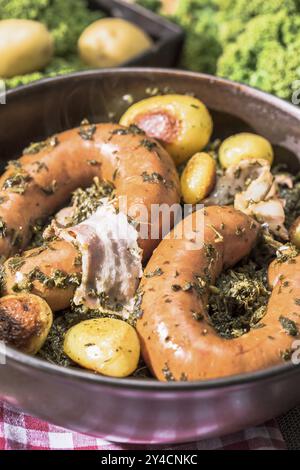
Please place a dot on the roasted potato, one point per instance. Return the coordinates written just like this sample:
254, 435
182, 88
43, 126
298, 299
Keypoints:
25, 46
25, 321
182, 123
105, 345
244, 146
111, 41
294, 233
198, 178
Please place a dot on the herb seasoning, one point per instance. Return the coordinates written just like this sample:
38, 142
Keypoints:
87, 130
38, 146
3, 228
289, 326
17, 183
132, 129
86, 201
148, 144
156, 178
156, 272
239, 302
168, 374
40, 166
15, 263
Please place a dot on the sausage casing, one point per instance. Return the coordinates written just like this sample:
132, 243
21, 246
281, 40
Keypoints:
42, 180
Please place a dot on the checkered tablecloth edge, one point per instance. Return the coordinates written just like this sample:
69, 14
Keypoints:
18, 431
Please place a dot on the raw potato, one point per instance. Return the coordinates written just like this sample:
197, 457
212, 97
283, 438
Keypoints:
105, 345
109, 42
244, 146
25, 321
294, 232
198, 178
182, 123
25, 46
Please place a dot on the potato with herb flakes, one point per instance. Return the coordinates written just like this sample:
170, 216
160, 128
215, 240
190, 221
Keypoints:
180, 122
25, 321
245, 146
25, 46
294, 233
105, 345
109, 42
198, 178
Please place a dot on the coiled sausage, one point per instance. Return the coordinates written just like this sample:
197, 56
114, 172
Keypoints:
41, 181
178, 340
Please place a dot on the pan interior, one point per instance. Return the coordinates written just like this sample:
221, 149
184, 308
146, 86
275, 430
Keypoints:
36, 111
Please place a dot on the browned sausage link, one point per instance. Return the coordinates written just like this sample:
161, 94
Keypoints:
178, 342
40, 182
52, 272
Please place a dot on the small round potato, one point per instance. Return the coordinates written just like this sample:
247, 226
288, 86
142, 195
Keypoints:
25, 46
198, 178
105, 345
182, 123
25, 321
294, 233
244, 146
109, 42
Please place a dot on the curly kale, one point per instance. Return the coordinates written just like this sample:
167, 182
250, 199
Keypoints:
233, 15
265, 54
201, 48
255, 42
154, 5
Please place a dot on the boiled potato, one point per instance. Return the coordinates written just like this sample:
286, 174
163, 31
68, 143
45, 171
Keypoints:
198, 178
294, 232
112, 41
25, 321
110, 347
182, 123
244, 146
25, 46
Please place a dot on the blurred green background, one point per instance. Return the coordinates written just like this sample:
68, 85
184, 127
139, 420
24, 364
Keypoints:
251, 41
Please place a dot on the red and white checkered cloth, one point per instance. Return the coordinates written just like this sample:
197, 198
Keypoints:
19, 431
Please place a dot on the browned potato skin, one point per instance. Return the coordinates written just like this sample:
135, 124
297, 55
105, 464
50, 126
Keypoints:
25, 321
294, 232
191, 349
57, 255
121, 158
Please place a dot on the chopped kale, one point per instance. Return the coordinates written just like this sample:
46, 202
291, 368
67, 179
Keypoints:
86, 201
240, 300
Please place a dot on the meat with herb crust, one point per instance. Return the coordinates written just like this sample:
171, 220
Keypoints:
177, 337
41, 181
